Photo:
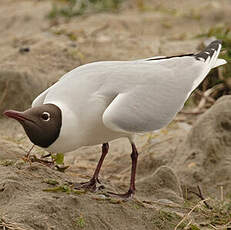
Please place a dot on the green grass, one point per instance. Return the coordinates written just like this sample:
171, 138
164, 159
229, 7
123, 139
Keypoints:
80, 222
71, 8
7, 162
50, 181
216, 217
167, 220
221, 214
62, 188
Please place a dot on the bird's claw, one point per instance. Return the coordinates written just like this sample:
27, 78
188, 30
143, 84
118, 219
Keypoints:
32, 158
126, 196
90, 185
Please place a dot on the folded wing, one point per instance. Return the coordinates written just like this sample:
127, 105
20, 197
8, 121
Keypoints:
152, 105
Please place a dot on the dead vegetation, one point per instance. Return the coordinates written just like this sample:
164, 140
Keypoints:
7, 225
71, 8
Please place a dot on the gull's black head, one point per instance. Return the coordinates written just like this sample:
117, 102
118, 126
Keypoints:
42, 124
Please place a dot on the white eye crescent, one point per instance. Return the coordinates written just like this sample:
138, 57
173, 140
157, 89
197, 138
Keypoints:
46, 116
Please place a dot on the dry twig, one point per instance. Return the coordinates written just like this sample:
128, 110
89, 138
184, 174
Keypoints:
9, 226
33, 158
224, 227
201, 196
189, 213
26, 158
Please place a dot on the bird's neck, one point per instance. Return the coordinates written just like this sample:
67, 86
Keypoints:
70, 136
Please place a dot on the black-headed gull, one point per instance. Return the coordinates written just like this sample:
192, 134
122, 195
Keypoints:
101, 101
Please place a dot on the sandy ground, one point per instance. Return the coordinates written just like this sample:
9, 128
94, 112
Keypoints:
172, 162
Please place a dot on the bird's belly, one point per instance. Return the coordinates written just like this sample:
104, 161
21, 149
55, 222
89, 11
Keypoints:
89, 137
100, 134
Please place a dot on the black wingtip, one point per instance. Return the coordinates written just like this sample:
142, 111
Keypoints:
215, 42
209, 50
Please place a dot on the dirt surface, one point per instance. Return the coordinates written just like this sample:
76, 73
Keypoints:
193, 150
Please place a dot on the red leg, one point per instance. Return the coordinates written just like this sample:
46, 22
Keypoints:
105, 148
134, 157
91, 184
132, 188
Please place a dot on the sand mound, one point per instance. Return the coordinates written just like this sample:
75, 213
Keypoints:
46, 203
204, 157
161, 185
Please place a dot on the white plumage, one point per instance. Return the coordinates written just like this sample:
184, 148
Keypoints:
103, 101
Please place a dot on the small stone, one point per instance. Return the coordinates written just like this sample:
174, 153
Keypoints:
24, 50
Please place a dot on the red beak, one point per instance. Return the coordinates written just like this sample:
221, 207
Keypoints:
16, 115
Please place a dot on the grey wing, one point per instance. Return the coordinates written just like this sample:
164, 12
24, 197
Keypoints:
153, 104
146, 108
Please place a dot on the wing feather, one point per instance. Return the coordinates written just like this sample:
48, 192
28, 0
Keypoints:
153, 104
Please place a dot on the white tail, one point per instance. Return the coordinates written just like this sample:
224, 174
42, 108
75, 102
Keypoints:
219, 62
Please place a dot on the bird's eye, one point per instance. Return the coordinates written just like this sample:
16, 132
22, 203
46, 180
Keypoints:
46, 116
